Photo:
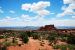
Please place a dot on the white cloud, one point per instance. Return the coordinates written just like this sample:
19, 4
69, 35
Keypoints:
38, 22
26, 6
11, 11
38, 8
66, 22
1, 11
68, 1
43, 12
35, 6
68, 10
7, 19
26, 17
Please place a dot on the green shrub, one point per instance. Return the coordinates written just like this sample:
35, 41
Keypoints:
71, 39
63, 47
29, 33
71, 47
52, 38
35, 36
1, 37
56, 46
5, 36
6, 43
22, 34
64, 39
24, 37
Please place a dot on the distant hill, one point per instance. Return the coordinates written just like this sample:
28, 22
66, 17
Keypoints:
33, 28
19, 28
65, 27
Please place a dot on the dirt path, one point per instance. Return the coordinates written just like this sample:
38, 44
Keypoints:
32, 45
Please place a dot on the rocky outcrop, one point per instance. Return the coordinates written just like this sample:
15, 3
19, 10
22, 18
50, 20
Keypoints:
47, 28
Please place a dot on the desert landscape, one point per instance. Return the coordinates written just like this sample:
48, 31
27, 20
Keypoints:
37, 24
44, 38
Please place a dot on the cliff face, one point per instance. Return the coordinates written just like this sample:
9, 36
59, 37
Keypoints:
47, 28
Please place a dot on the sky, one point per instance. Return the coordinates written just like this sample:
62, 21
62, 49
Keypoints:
37, 12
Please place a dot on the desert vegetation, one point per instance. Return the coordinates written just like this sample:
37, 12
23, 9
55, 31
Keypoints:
54, 39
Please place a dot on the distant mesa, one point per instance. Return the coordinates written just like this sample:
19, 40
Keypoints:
47, 28
53, 28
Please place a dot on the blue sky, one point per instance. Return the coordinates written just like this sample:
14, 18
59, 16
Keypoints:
37, 12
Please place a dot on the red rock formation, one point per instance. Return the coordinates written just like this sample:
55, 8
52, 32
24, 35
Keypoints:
47, 28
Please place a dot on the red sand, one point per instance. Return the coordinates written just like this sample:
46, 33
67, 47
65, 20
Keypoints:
32, 45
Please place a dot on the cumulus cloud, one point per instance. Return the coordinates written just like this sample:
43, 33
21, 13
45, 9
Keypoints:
68, 10
35, 6
39, 8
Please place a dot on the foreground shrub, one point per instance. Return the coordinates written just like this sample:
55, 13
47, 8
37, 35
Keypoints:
24, 37
4, 45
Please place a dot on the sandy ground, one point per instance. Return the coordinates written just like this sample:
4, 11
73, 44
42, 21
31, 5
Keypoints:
32, 45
